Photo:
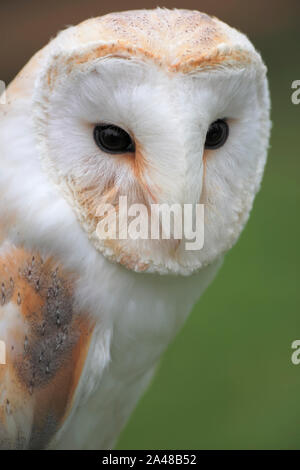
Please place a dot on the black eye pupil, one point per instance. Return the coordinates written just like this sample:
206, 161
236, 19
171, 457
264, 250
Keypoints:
113, 139
217, 134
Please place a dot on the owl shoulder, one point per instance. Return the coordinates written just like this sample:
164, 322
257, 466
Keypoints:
45, 341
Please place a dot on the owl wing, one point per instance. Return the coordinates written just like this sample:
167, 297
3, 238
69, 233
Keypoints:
43, 347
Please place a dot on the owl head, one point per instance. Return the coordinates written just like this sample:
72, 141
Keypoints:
160, 107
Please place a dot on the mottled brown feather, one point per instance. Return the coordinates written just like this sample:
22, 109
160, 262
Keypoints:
47, 341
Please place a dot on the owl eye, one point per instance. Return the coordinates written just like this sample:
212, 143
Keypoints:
217, 134
113, 139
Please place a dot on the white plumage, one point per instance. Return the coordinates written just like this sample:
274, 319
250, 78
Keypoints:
85, 320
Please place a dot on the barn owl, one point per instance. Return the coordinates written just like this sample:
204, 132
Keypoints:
159, 106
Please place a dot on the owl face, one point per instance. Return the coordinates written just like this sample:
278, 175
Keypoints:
161, 107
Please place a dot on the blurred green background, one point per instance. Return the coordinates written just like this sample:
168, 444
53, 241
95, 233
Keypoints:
227, 381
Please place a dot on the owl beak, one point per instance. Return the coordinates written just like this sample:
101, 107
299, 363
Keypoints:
187, 182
